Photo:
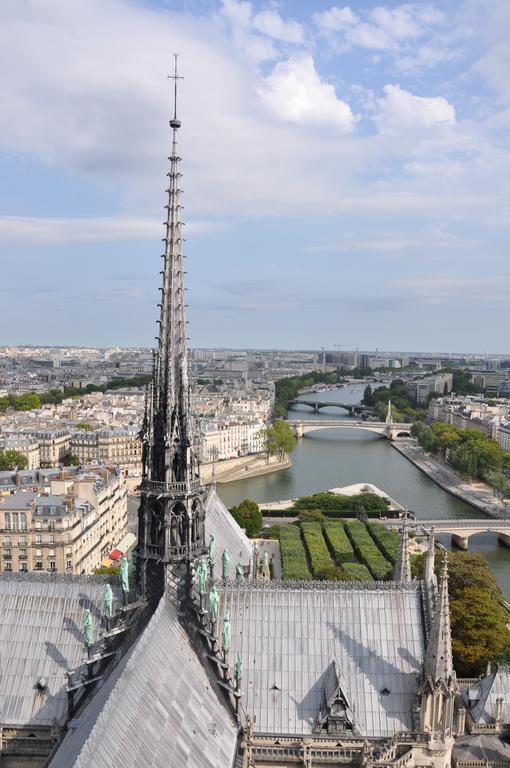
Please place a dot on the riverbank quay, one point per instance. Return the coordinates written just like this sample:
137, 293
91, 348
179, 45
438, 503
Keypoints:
476, 494
242, 468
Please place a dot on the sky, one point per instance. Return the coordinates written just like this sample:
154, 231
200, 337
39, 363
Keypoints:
346, 171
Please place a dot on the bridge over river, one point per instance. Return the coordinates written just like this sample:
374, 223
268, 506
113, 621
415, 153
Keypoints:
460, 530
388, 429
318, 405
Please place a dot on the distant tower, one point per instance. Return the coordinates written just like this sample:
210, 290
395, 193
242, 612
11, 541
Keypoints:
389, 415
402, 571
171, 515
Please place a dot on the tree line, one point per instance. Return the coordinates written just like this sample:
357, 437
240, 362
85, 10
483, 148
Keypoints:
469, 451
29, 401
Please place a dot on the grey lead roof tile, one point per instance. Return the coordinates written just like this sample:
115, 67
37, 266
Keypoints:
288, 639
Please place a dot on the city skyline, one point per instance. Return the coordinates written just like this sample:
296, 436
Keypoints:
345, 168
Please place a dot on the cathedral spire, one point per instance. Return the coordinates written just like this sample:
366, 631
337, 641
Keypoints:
171, 515
402, 571
429, 576
438, 659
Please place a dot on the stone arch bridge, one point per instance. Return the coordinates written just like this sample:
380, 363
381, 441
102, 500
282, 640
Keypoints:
460, 530
318, 405
389, 430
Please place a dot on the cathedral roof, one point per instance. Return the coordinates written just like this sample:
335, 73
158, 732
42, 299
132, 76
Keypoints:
288, 638
158, 708
481, 698
41, 637
227, 532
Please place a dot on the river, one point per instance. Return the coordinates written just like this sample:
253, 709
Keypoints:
330, 458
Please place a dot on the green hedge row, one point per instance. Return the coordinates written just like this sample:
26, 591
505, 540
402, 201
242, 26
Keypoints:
386, 540
367, 552
339, 544
336, 505
294, 564
356, 572
316, 546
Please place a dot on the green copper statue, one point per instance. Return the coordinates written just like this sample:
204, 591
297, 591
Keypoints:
211, 550
226, 632
214, 599
107, 601
88, 628
225, 564
202, 575
238, 667
239, 573
124, 573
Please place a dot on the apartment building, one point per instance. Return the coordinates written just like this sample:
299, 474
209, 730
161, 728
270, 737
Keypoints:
419, 390
27, 445
472, 412
230, 439
53, 446
121, 447
71, 528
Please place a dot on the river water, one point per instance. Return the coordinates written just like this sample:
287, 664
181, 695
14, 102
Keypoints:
329, 458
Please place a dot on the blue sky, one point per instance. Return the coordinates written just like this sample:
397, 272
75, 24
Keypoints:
346, 171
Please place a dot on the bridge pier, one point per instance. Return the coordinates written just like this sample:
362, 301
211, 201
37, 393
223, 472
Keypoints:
461, 542
504, 539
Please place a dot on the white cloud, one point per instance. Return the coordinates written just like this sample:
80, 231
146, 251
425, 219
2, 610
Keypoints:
271, 23
336, 19
400, 112
295, 92
385, 30
258, 34
57, 231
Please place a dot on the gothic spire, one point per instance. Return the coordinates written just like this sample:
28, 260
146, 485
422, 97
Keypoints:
402, 570
171, 457
438, 657
171, 516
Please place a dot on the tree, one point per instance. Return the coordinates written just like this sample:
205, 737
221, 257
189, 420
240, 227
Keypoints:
70, 461
84, 426
285, 440
269, 440
278, 439
27, 402
478, 618
499, 483
248, 515
479, 631
368, 396
12, 460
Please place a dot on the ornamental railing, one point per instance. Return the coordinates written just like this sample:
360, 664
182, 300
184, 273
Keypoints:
154, 486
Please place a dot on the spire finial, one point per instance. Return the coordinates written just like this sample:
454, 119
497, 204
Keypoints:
402, 571
175, 123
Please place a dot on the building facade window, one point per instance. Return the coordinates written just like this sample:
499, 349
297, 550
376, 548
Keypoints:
51, 538
23, 521
23, 567
38, 539
15, 521
7, 541
38, 565
7, 521
8, 567
52, 565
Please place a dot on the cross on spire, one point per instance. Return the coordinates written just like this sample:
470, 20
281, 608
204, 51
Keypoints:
174, 123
